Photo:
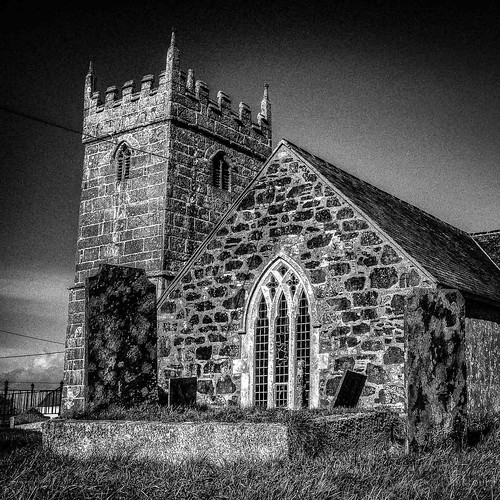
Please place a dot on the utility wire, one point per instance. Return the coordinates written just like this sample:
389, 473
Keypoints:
30, 337
27, 355
32, 382
67, 129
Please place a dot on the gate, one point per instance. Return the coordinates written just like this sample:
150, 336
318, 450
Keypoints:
16, 401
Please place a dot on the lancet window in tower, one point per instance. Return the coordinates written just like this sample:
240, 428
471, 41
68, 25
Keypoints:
122, 157
282, 338
221, 177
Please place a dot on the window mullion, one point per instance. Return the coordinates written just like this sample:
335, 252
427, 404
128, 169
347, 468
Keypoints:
272, 355
292, 356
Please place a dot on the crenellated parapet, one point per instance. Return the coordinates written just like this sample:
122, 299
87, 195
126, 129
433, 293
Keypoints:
179, 97
193, 107
121, 111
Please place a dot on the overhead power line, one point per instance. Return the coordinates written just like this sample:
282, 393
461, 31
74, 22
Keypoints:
73, 131
27, 355
32, 382
30, 337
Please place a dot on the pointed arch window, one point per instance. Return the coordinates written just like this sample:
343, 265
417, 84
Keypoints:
122, 157
221, 174
282, 340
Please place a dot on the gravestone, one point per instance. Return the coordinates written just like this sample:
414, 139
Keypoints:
181, 391
350, 389
120, 337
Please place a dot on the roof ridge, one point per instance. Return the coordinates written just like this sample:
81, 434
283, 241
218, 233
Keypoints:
486, 253
494, 231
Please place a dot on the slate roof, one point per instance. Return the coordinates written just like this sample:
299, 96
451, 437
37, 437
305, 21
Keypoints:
490, 241
450, 255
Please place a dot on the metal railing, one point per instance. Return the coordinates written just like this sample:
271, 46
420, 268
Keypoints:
17, 401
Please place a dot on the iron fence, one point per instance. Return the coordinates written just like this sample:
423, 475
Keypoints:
17, 401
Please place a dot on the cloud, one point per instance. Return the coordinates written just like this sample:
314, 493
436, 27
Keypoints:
32, 302
43, 371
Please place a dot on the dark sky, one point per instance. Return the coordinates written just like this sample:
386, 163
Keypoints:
404, 96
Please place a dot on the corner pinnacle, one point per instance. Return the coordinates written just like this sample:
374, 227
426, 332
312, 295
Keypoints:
266, 91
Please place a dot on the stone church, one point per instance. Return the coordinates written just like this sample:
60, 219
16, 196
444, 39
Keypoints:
274, 273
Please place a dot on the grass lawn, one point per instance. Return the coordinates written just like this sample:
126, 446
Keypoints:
28, 472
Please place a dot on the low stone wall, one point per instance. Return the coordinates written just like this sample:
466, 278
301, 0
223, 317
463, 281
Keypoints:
166, 442
366, 432
220, 442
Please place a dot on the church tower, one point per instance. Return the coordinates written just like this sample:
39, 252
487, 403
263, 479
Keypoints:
161, 164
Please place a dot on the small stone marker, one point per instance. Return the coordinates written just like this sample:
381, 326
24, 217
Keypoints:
182, 391
350, 389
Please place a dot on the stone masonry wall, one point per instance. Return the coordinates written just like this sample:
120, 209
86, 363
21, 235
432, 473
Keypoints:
119, 223
200, 129
359, 280
483, 367
155, 219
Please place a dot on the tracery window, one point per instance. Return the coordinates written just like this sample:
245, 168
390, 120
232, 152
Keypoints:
282, 340
122, 158
221, 177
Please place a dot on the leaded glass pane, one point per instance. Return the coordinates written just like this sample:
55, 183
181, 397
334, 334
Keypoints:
225, 175
293, 282
282, 270
303, 332
282, 341
261, 354
272, 284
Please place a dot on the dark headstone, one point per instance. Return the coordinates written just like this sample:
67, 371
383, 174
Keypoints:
121, 337
350, 389
181, 391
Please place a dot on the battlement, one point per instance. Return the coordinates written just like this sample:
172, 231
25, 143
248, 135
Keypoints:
192, 104
222, 105
177, 96
128, 93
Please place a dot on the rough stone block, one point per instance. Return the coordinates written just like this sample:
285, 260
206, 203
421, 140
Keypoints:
436, 366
